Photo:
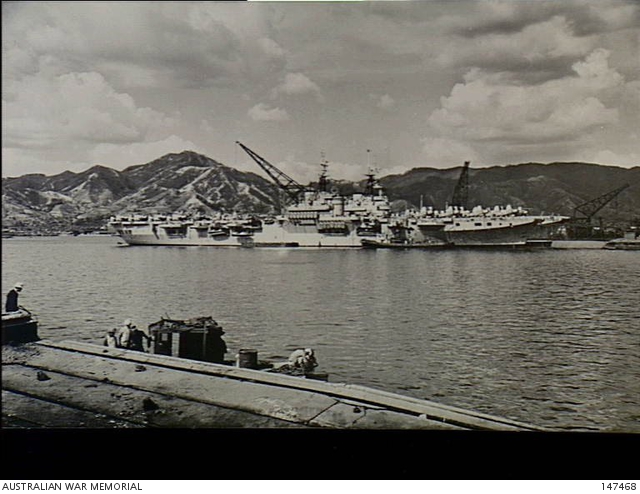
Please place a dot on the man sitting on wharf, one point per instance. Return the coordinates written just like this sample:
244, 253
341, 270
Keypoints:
12, 298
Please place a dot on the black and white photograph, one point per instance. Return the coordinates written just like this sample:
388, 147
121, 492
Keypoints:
247, 221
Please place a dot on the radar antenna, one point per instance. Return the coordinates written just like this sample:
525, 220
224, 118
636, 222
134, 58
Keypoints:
292, 188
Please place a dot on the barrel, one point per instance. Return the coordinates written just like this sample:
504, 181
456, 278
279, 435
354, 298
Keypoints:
248, 358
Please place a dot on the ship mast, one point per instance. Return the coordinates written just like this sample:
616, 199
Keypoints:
371, 182
369, 188
323, 182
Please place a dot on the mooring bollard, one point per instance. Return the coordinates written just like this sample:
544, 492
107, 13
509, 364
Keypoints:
247, 358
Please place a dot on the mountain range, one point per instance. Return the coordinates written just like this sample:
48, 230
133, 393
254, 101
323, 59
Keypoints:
189, 181
174, 182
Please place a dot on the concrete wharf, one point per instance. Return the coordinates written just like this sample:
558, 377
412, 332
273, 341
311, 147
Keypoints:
65, 384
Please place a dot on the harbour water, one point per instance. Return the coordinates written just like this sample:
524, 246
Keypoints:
550, 337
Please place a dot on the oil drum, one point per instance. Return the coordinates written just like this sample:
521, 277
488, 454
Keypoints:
248, 358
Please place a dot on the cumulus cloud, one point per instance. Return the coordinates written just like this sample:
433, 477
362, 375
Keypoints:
594, 72
508, 16
297, 84
263, 113
70, 120
492, 77
486, 108
165, 44
590, 115
539, 52
75, 107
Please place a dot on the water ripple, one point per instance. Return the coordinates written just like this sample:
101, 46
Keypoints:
548, 337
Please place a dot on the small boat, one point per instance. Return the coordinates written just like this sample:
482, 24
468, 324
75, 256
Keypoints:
630, 241
19, 326
622, 244
391, 244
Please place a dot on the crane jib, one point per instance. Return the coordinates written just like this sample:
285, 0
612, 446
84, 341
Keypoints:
284, 181
590, 208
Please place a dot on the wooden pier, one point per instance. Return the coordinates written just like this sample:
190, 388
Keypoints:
73, 384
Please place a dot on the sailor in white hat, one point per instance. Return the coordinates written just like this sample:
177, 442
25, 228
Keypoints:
12, 298
124, 334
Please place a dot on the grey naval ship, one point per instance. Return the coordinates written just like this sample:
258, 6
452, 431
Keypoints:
325, 218
315, 218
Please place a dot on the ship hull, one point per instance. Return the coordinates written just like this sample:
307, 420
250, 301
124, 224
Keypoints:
146, 239
309, 236
379, 244
510, 235
287, 235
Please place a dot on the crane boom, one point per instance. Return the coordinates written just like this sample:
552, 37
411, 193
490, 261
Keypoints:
590, 208
460, 196
293, 189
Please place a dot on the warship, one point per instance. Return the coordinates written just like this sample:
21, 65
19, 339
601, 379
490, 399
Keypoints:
320, 217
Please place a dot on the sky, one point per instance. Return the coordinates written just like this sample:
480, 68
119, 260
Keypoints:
364, 84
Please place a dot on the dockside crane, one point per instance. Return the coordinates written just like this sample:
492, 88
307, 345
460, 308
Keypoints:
590, 208
460, 196
581, 224
293, 189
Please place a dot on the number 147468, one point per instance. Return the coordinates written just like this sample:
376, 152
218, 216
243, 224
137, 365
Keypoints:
619, 486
